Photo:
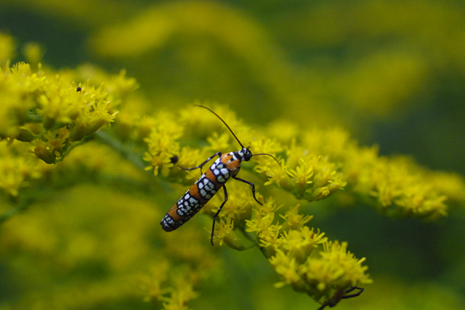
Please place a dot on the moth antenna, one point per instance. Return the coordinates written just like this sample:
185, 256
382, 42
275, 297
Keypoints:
267, 155
198, 105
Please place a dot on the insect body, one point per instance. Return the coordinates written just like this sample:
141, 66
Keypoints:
225, 167
341, 294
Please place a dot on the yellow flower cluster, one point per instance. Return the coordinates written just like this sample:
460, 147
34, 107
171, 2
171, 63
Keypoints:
336, 269
303, 258
180, 266
313, 164
312, 177
399, 187
51, 112
331, 161
291, 246
47, 113
15, 171
156, 288
163, 148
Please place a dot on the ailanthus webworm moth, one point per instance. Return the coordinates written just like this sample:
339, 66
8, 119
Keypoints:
225, 167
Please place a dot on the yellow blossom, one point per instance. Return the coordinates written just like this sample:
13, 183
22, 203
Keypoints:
54, 115
224, 233
162, 144
277, 175
336, 268
67, 113
152, 283
300, 243
287, 268
301, 175
294, 220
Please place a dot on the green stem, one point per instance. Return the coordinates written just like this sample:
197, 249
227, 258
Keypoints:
125, 150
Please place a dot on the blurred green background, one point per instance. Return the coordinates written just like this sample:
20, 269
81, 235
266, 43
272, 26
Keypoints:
392, 72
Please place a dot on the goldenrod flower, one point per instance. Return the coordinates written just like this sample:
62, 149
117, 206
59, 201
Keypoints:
54, 115
224, 233
294, 220
67, 113
300, 243
287, 267
301, 175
